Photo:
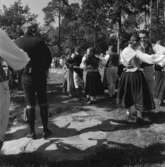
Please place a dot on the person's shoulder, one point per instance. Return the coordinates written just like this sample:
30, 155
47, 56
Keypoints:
126, 49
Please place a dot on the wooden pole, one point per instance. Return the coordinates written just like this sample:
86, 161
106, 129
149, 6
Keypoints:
150, 31
59, 28
119, 33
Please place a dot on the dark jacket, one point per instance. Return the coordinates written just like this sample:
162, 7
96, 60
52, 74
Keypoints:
148, 50
3, 75
39, 53
113, 60
92, 62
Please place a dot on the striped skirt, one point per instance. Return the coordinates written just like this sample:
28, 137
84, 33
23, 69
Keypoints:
160, 85
133, 90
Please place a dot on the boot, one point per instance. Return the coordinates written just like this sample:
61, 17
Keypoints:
44, 118
31, 122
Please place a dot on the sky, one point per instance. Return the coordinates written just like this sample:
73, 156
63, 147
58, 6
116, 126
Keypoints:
36, 6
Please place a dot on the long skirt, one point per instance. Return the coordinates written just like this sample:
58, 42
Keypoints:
70, 82
149, 76
110, 80
134, 91
4, 108
160, 85
93, 86
78, 82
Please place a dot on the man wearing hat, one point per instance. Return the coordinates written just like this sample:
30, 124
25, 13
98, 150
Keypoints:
34, 78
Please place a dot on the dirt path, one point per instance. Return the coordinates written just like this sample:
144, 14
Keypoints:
84, 135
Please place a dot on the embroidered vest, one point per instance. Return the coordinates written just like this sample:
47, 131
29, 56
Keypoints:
3, 75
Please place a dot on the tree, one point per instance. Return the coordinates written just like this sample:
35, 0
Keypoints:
13, 17
97, 23
66, 29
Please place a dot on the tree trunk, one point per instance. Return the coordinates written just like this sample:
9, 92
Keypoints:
59, 29
150, 30
119, 34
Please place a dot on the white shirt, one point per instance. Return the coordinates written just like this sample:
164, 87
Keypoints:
128, 53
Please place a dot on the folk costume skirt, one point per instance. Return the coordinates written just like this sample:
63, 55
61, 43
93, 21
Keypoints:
110, 79
160, 85
93, 86
70, 82
134, 91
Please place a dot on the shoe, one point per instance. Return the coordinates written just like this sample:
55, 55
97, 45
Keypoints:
91, 102
46, 134
131, 117
147, 120
31, 135
143, 121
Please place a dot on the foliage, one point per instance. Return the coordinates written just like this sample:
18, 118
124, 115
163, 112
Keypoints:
98, 23
13, 17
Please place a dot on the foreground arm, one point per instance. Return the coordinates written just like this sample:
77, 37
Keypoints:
15, 57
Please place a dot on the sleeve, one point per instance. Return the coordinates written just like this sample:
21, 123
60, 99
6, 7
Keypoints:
106, 58
144, 57
14, 57
126, 55
159, 49
159, 54
159, 59
150, 59
46, 55
83, 65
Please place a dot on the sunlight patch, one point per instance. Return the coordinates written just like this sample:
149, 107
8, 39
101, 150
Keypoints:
17, 128
15, 146
78, 143
83, 124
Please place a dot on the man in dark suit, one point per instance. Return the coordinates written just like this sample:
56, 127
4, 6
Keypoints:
34, 77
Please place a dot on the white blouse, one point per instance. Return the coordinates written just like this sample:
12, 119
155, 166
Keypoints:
129, 53
15, 57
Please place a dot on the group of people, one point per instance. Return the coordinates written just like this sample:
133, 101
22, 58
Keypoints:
139, 87
140, 84
31, 55
83, 74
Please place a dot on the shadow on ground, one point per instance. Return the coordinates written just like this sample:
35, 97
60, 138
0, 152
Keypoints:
122, 155
104, 154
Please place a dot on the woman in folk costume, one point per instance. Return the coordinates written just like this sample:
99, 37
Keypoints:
83, 66
145, 46
159, 76
70, 81
16, 59
77, 73
111, 71
93, 85
133, 88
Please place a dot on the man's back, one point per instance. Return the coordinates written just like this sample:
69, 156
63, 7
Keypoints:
38, 52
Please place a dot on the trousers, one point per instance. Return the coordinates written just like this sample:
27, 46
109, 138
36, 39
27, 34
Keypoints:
4, 108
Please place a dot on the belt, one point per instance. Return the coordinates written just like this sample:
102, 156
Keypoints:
92, 70
28, 71
146, 65
132, 69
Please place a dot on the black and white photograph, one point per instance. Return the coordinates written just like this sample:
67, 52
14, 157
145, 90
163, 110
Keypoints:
82, 83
